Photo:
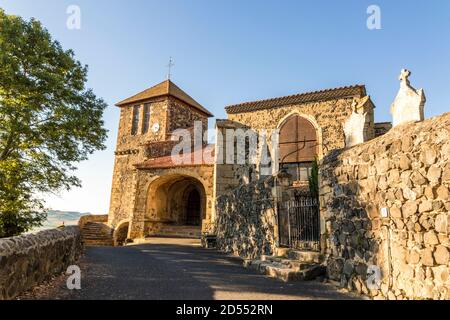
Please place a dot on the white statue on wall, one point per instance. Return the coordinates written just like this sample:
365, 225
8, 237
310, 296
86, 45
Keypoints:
409, 104
354, 127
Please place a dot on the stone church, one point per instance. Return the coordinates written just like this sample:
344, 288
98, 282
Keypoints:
374, 218
151, 195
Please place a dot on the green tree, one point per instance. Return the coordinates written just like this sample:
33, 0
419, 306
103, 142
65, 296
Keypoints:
49, 121
313, 179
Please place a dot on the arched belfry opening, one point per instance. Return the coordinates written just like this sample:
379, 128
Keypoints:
299, 147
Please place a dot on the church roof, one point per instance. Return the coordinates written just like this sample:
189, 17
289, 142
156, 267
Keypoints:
357, 91
165, 88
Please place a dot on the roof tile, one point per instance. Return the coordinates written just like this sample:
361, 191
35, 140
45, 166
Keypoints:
165, 88
328, 94
168, 162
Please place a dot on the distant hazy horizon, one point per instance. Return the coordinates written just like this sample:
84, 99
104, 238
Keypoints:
55, 218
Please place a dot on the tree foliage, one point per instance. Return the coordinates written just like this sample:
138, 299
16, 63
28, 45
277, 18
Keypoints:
313, 179
49, 121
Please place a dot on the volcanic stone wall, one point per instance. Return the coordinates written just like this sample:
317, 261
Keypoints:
246, 220
27, 261
386, 204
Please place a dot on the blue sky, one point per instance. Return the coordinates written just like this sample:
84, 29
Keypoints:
233, 51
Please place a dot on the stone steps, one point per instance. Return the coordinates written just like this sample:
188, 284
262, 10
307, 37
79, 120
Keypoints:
306, 267
96, 234
179, 232
305, 256
98, 243
96, 238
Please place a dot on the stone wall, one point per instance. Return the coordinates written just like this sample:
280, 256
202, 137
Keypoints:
246, 224
228, 174
183, 116
159, 149
386, 203
28, 260
329, 116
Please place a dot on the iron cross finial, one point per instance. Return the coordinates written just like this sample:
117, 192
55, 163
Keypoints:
169, 67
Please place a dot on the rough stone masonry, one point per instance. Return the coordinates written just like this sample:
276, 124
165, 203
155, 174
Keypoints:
386, 203
246, 226
27, 261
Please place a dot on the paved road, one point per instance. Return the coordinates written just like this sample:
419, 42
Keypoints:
176, 269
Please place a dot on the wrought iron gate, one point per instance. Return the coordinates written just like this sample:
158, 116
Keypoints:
299, 223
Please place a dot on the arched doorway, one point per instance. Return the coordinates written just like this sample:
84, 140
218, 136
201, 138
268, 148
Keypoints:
121, 234
175, 202
193, 208
298, 147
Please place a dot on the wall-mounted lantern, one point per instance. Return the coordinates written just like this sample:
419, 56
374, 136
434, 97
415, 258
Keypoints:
284, 178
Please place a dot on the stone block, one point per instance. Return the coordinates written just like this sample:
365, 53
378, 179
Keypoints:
348, 268
443, 193
382, 166
383, 183
442, 223
407, 144
413, 257
409, 208
409, 194
418, 179
372, 211
430, 238
446, 175
434, 173
441, 275
428, 156
441, 255
396, 212
427, 257
429, 193
425, 206
404, 162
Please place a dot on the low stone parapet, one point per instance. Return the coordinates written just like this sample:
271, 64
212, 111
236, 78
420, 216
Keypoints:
29, 260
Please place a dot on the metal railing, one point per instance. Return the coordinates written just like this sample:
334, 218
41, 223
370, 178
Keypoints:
299, 223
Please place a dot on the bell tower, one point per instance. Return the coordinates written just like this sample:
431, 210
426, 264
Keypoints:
147, 121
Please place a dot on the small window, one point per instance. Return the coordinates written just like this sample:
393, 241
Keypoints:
300, 171
135, 124
146, 123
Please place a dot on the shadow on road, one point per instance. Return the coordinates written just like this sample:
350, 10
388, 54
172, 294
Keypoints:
179, 270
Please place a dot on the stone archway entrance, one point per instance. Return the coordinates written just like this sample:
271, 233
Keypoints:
175, 204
